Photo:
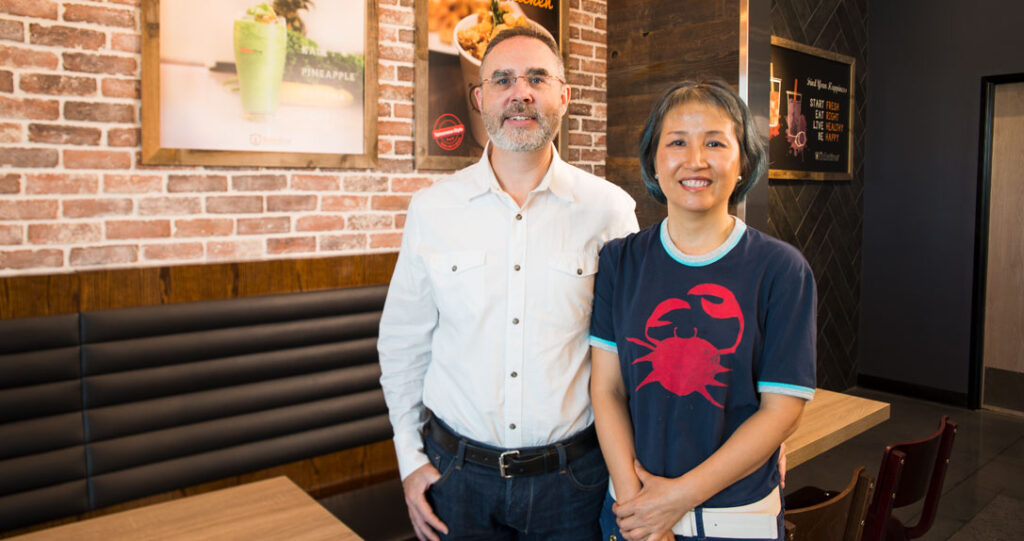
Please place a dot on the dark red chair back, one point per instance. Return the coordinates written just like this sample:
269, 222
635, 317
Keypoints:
828, 516
910, 471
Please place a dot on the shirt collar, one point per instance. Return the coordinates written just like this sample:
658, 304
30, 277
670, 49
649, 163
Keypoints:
557, 179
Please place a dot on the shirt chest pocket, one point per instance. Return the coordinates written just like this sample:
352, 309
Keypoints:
570, 287
458, 282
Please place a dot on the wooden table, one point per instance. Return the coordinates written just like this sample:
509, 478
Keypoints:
830, 419
271, 509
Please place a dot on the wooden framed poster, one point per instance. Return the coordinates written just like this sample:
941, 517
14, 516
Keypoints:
286, 83
810, 117
449, 131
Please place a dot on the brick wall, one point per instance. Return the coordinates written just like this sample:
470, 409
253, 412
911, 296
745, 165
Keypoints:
74, 196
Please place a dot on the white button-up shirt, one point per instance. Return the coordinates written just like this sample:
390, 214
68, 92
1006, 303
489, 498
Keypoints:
487, 316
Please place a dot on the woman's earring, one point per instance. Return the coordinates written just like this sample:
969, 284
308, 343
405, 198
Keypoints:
655, 176
739, 177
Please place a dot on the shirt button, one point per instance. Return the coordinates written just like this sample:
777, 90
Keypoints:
515, 321
515, 374
519, 216
579, 271
455, 268
517, 267
512, 426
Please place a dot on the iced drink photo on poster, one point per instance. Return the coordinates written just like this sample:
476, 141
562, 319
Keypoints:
260, 49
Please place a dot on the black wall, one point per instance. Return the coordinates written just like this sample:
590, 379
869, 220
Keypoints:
928, 57
823, 219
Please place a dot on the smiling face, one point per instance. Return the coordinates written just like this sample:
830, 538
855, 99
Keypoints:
524, 117
698, 159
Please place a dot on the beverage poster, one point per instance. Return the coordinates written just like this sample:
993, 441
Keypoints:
810, 113
281, 82
451, 38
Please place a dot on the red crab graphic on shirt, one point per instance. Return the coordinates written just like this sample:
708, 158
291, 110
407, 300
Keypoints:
689, 364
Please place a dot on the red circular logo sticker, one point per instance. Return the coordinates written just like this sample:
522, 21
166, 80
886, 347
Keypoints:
448, 131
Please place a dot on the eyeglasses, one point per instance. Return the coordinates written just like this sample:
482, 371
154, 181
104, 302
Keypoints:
505, 83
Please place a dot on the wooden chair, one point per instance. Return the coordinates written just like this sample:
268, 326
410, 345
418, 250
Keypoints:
910, 471
813, 514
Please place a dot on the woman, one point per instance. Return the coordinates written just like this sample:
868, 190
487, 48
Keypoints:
703, 336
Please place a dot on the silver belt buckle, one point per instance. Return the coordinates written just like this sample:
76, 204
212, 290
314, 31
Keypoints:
502, 466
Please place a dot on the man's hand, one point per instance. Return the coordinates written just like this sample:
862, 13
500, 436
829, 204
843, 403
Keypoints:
424, 521
653, 512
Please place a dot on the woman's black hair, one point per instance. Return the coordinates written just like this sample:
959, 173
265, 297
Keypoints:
753, 153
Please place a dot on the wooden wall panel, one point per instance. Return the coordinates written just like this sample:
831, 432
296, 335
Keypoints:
653, 44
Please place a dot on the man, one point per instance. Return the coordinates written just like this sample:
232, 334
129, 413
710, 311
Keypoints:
483, 341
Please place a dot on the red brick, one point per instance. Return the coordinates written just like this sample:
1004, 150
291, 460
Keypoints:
17, 57
103, 255
364, 222
10, 132
383, 109
97, 159
405, 74
132, 184
580, 139
581, 19
36, 83
10, 183
61, 183
390, 202
99, 112
403, 148
64, 233
6, 81
42, 9
92, 208
63, 135
123, 137
11, 235
393, 92
258, 183
66, 37
597, 126
396, 17
395, 128
30, 108
399, 221
121, 88
319, 183
385, 240
397, 53
234, 204
126, 2
385, 146
138, 229
401, 165
296, 245
581, 49
341, 203
238, 249
30, 209
366, 183
403, 110
204, 227
12, 30
188, 250
349, 242
386, 73
290, 203
596, 8
169, 206
320, 223
77, 13
405, 35
264, 226
29, 259
29, 157
409, 184
197, 183
129, 43
93, 63
593, 66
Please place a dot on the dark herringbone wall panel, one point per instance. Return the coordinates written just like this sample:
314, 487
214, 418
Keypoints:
823, 219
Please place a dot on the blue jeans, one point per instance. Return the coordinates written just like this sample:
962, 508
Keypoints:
610, 528
477, 503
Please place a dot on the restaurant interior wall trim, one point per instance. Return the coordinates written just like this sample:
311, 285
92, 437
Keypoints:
921, 185
74, 195
824, 219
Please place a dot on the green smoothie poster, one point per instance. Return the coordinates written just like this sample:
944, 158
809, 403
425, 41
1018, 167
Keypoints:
276, 76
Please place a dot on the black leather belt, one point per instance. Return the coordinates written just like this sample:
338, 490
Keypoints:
515, 462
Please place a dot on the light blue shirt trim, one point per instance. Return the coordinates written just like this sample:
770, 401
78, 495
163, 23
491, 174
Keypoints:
603, 344
798, 391
706, 259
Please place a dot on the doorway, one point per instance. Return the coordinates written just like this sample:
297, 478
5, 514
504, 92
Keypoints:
999, 264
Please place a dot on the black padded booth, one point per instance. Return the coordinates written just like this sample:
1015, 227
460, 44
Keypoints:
101, 407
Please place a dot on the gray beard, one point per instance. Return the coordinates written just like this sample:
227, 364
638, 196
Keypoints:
521, 139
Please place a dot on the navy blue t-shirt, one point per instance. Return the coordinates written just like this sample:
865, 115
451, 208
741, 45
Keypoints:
699, 339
